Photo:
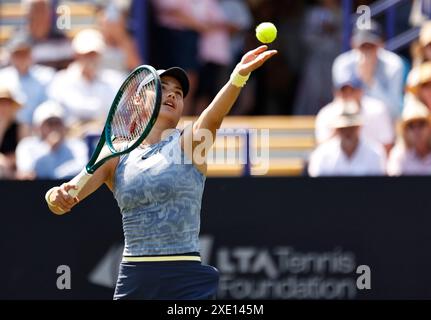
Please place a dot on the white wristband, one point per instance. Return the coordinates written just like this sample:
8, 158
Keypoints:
238, 80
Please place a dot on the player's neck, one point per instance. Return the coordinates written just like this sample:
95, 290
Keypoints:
156, 135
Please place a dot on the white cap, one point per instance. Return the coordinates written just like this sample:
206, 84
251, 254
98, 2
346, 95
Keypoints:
414, 109
88, 40
48, 109
347, 115
418, 76
8, 93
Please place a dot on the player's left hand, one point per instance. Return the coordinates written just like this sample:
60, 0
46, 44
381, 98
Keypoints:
254, 59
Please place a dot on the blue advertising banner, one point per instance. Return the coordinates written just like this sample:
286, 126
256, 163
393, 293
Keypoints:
270, 238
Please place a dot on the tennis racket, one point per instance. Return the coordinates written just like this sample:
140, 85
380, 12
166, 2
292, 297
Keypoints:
131, 117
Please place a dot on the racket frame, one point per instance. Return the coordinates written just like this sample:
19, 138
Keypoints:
106, 137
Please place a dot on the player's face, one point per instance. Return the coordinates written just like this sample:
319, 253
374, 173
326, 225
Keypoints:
172, 99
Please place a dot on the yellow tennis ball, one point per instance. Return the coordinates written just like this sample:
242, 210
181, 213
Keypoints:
266, 32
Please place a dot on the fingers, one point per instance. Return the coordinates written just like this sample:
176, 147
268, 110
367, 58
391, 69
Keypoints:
68, 186
65, 192
268, 54
259, 49
62, 204
252, 54
259, 61
63, 199
264, 56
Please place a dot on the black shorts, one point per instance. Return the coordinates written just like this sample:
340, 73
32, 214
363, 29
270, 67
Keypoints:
167, 280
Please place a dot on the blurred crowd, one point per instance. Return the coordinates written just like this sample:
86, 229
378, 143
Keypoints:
378, 122
372, 106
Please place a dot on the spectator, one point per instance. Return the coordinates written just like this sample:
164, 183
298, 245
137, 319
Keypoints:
412, 154
322, 39
214, 54
27, 78
50, 155
421, 51
9, 105
419, 83
377, 123
50, 46
84, 89
4, 57
380, 70
179, 24
239, 18
420, 12
347, 153
121, 53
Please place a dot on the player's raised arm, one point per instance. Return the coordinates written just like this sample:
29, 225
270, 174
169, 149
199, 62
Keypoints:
212, 117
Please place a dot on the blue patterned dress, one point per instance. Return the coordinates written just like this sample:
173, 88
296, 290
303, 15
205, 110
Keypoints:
159, 192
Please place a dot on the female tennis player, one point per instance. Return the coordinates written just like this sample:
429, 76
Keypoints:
159, 193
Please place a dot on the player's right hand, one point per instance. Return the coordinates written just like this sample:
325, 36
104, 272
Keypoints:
60, 198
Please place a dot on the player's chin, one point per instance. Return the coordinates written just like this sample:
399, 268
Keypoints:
169, 113
171, 110
168, 110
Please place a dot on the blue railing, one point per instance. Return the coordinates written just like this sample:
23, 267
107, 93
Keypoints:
139, 21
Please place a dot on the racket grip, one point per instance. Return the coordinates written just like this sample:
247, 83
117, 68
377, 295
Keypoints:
80, 181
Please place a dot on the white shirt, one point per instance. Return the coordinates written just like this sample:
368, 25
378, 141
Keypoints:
83, 100
377, 123
329, 160
403, 161
35, 155
388, 79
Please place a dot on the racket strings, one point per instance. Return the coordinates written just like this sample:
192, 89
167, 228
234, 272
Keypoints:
134, 110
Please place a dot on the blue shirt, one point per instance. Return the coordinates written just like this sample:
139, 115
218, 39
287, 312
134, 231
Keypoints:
159, 192
388, 83
35, 155
32, 86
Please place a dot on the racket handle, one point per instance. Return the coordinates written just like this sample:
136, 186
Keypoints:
80, 181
